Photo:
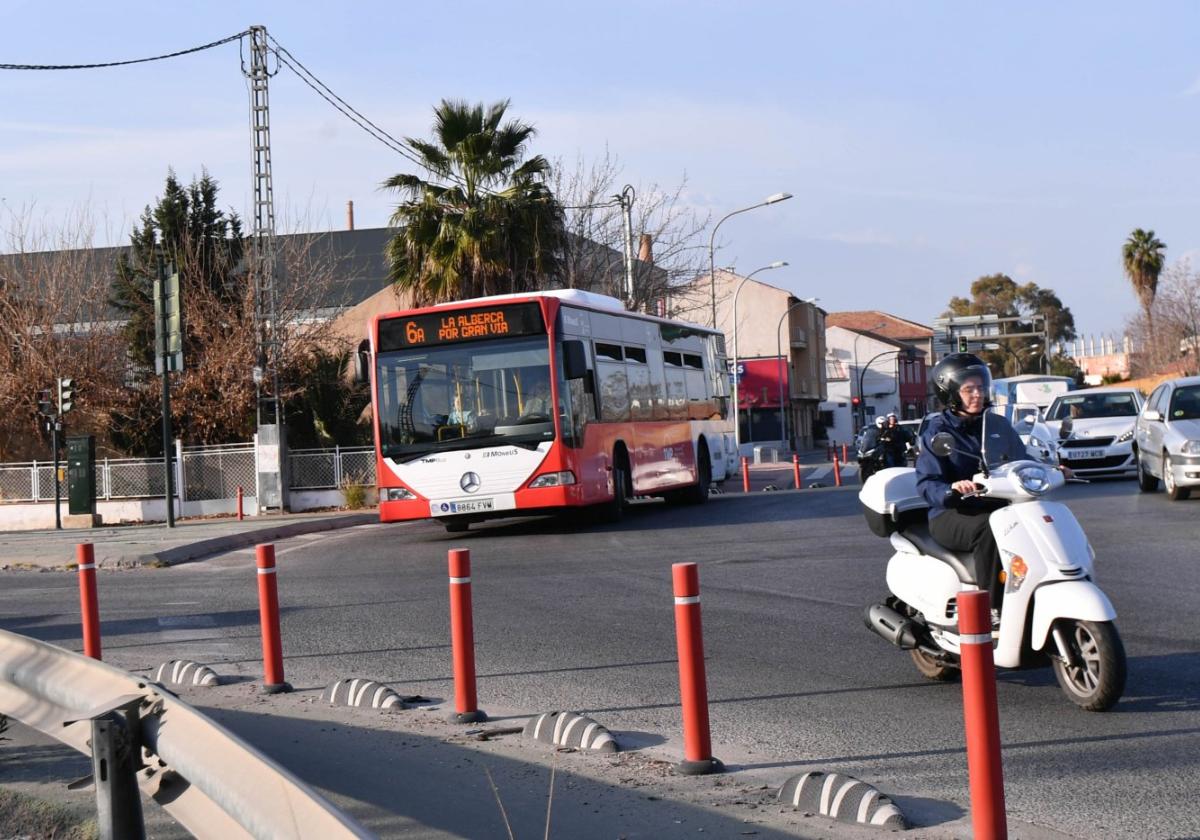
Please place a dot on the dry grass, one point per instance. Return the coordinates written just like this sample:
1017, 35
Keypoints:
26, 817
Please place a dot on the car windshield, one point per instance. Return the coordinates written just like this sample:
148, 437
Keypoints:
1185, 403
1093, 406
464, 396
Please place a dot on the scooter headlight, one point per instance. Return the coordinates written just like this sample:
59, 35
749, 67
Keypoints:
1033, 480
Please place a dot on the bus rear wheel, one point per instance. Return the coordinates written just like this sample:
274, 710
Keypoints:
614, 509
697, 494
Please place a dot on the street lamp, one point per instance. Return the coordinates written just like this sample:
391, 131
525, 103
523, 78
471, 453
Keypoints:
737, 415
712, 270
910, 354
779, 354
862, 407
1015, 353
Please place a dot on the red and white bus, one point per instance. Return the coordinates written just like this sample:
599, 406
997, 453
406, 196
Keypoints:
463, 394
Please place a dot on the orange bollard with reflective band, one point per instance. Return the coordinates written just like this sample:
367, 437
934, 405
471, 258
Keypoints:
693, 687
845, 453
89, 609
268, 617
462, 639
796, 471
981, 716
239, 503
745, 474
837, 471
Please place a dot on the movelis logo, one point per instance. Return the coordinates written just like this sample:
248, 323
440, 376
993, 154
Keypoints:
497, 453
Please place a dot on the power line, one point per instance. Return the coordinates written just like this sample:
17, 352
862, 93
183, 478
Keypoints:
236, 37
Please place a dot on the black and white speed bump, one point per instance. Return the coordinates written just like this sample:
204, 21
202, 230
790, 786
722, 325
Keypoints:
567, 729
842, 798
185, 672
355, 691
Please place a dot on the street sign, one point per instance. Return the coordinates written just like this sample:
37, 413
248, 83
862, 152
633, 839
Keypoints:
168, 299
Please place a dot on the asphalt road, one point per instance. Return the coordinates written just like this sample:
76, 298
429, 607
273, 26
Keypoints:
583, 620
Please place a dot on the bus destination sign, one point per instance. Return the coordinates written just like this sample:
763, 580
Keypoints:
434, 328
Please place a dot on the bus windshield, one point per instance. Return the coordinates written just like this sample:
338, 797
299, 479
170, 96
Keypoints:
464, 396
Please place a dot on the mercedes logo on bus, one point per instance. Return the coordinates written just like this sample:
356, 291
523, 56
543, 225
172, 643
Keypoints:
469, 482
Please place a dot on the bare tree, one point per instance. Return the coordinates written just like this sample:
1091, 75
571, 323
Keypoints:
590, 193
55, 324
56, 320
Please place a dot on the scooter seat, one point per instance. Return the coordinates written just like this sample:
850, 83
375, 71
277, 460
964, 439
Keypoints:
961, 561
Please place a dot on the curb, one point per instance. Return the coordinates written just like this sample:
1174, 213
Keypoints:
231, 542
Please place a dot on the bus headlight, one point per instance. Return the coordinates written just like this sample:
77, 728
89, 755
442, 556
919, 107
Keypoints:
398, 494
554, 479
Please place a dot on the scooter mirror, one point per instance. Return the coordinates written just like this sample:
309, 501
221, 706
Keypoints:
1065, 429
942, 444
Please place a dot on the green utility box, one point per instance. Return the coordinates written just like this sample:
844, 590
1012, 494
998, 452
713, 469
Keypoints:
81, 474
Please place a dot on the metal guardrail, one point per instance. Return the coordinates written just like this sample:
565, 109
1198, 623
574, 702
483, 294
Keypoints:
214, 784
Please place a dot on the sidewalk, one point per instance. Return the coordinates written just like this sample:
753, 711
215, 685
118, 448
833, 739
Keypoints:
156, 544
816, 470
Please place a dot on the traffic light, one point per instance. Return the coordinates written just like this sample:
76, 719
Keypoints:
66, 394
962, 344
44, 403
854, 401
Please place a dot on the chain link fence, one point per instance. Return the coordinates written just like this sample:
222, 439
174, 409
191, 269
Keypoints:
209, 472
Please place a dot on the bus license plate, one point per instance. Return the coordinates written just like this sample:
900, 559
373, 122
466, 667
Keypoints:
472, 506
1086, 454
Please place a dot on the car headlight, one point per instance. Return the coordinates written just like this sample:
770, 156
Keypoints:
554, 479
1041, 442
1034, 480
1128, 435
1190, 447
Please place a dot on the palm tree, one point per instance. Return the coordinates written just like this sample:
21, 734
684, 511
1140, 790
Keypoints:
495, 228
1143, 259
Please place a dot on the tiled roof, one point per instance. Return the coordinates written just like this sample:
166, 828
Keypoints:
869, 320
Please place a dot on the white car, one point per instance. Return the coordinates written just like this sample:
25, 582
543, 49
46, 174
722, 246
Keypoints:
1098, 440
1168, 438
1026, 420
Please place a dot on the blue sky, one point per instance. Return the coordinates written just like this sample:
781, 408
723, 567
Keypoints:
926, 143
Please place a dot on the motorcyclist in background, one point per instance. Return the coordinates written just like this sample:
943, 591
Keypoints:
896, 440
870, 449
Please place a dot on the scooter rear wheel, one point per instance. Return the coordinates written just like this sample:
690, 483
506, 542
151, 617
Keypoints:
934, 669
1095, 678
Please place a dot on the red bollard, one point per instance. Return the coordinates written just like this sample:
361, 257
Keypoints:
89, 610
845, 454
268, 615
837, 471
239, 497
745, 474
462, 639
796, 470
981, 716
693, 688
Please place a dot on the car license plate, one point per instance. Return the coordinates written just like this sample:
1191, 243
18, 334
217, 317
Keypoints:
1085, 454
471, 506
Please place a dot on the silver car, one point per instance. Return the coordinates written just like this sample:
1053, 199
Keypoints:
1168, 438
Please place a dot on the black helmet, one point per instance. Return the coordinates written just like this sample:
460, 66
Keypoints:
951, 372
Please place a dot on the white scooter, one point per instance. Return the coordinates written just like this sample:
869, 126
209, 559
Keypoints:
1052, 607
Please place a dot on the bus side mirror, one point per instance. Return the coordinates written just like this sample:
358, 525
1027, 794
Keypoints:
574, 360
362, 363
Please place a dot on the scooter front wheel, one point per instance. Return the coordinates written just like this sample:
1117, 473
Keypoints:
1093, 678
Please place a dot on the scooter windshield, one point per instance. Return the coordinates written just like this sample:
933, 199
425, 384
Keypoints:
1001, 442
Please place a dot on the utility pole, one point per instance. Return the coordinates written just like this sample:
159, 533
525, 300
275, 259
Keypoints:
271, 439
626, 201
166, 305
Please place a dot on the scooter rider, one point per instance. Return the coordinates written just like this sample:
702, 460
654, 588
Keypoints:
962, 382
896, 440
